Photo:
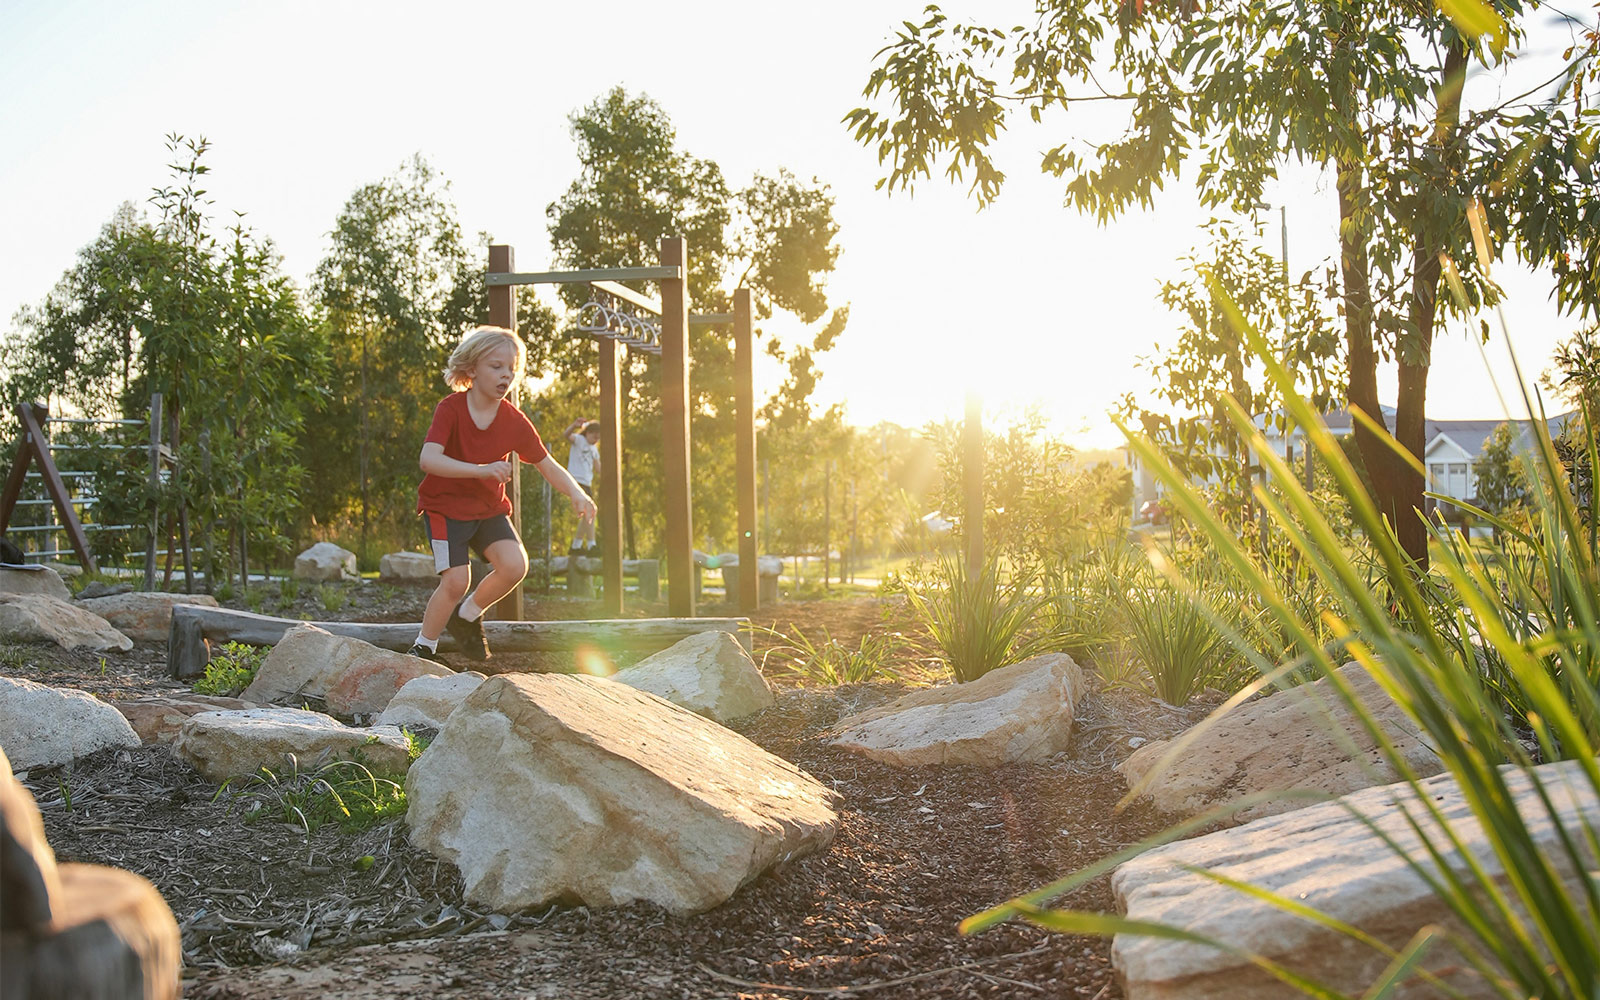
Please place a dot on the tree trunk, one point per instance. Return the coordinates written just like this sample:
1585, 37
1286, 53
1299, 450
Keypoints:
1411, 404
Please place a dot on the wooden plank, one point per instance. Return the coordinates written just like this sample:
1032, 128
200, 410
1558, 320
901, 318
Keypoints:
503, 312
54, 486
648, 303
609, 519
587, 275
14, 481
675, 431
713, 319
749, 596
192, 625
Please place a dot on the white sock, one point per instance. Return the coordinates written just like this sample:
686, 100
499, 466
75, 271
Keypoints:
431, 645
470, 610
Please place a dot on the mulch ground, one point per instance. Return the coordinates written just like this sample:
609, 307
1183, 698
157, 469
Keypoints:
268, 911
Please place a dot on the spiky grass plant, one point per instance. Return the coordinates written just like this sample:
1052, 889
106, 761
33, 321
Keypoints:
831, 662
1530, 932
978, 622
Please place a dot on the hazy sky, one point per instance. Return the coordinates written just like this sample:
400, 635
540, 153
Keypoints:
1026, 302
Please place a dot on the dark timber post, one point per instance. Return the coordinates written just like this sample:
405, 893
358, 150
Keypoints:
972, 513
745, 457
503, 312
675, 427
610, 498
155, 486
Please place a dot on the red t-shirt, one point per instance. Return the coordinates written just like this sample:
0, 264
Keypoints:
476, 498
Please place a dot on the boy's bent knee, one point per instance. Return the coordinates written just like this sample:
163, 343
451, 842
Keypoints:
455, 580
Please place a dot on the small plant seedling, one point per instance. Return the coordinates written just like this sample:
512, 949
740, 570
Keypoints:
231, 670
66, 793
333, 597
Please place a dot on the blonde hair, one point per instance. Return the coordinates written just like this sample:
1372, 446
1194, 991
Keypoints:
478, 342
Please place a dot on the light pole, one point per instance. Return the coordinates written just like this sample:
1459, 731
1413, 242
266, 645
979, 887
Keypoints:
1283, 232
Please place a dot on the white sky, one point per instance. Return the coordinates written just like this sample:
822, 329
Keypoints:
1027, 302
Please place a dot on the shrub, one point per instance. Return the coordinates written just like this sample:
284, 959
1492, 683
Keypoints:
831, 662
1178, 644
231, 669
979, 622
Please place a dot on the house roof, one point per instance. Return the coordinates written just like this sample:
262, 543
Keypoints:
1469, 435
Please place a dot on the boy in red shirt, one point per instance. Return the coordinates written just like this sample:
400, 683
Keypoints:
466, 461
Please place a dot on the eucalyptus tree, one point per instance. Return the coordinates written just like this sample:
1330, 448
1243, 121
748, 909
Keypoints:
1236, 91
777, 236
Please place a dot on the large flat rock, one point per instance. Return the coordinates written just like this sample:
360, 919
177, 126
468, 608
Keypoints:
222, 745
158, 719
1022, 712
551, 786
351, 676
143, 616
42, 726
1305, 738
41, 618
1326, 857
709, 673
407, 567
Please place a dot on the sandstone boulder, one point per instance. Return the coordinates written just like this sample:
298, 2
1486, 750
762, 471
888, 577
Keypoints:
31, 579
561, 786
709, 673
407, 567
157, 720
353, 677
1326, 857
326, 561
41, 618
144, 616
427, 701
222, 745
1301, 738
42, 726
1022, 712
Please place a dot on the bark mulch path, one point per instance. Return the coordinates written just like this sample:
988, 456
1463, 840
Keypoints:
270, 912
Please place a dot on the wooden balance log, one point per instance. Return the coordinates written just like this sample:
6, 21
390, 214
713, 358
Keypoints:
195, 628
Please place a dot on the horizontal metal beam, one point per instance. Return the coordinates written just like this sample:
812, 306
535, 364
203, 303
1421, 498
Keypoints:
709, 319
658, 273
648, 303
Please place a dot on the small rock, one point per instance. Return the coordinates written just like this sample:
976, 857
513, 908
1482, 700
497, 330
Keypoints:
326, 561
41, 726
33, 579
407, 567
41, 618
99, 588
709, 673
222, 745
1018, 713
427, 702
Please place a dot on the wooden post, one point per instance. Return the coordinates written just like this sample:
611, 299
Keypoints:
675, 429
36, 444
609, 520
503, 312
749, 597
155, 486
972, 513
827, 524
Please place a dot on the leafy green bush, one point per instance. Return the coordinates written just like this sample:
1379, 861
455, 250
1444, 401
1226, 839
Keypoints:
231, 669
345, 792
979, 622
831, 662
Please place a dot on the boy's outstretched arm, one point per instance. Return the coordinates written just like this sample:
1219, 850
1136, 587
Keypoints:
561, 480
